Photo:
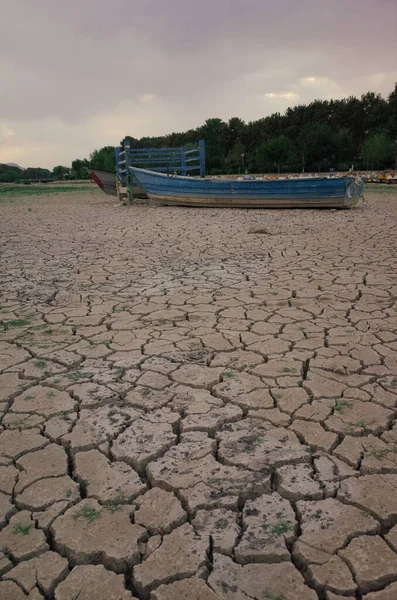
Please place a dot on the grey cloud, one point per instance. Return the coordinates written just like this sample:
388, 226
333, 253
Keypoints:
76, 62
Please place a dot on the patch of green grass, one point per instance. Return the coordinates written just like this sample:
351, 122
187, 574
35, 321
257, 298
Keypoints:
279, 528
340, 406
289, 370
18, 323
50, 394
40, 364
350, 427
274, 293
22, 529
57, 380
88, 513
270, 596
29, 397
380, 454
84, 486
77, 375
250, 443
16, 190
120, 373
164, 291
114, 505
228, 374
68, 493
117, 309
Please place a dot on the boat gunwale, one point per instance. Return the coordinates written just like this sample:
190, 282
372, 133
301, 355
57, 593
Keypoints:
169, 176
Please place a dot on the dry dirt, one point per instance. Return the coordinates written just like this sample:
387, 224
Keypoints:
192, 410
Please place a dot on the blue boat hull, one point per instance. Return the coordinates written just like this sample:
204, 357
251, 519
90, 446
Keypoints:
289, 193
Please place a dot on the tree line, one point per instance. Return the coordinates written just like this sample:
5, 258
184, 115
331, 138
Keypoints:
13, 174
319, 136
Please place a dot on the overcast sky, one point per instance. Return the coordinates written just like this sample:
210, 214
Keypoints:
76, 75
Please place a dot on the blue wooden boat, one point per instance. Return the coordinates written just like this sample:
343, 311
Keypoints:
342, 192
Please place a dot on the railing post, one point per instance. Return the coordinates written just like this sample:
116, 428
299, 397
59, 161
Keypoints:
118, 174
128, 179
202, 158
183, 161
117, 158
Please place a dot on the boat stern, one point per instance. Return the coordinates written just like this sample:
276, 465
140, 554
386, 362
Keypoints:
354, 191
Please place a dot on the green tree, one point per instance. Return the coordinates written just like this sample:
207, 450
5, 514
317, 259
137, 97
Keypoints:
105, 158
60, 172
275, 154
376, 111
317, 146
235, 159
36, 173
9, 174
377, 151
80, 169
345, 149
392, 103
235, 130
214, 132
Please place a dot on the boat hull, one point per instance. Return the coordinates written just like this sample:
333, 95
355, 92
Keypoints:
106, 180
250, 203
289, 193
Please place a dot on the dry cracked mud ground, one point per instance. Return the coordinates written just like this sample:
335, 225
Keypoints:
192, 410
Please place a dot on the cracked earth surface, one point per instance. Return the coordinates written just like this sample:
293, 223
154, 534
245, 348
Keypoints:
193, 411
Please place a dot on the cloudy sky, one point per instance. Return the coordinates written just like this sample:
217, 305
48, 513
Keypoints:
80, 74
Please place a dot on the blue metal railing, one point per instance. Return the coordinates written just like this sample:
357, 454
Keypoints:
162, 160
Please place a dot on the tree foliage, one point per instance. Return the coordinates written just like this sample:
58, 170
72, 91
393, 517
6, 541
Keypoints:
80, 169
103, 159
13, 174
377, 150
275, 154
60, 172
